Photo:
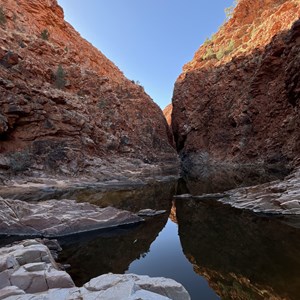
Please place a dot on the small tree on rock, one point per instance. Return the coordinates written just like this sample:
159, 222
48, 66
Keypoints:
45, 35
2, 17
60, 80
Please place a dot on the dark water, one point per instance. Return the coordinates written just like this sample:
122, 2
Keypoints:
215, 251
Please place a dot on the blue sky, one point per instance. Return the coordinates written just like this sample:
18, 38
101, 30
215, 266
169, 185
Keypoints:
149, 40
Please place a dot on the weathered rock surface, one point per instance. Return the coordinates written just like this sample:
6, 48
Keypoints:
66, 108
30, 272
58, 217
238, 99
281, 197
30, 267
116, 287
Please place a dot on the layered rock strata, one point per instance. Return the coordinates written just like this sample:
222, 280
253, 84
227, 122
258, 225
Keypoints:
238, 99
65, 108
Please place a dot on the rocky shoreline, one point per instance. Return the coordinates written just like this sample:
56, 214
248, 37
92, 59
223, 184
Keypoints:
29, 271
55, 218
280, 197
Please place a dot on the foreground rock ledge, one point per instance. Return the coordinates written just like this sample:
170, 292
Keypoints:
55, 218
28, 271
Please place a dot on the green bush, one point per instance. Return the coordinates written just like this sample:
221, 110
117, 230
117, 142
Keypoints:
207, 41
102, 104
210, 54
20, 161
45, 35
229, 10
230, 47
220, 54
2, 16
60, 81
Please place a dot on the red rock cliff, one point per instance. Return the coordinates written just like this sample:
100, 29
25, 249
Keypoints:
238, 99
64, 105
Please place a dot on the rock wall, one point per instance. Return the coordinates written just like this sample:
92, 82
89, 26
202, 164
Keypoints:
238, 99
64, 106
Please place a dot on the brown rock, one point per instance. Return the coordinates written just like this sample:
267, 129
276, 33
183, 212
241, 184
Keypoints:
65, 102
243, 107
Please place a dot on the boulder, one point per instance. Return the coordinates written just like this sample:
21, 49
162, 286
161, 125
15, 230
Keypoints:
148, 212
30, 267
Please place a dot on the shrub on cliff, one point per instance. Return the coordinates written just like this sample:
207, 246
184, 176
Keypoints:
229, 10
20, 161
45, 35
2, 16
60, 80
209, 54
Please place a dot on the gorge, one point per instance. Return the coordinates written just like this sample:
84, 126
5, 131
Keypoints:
83, 150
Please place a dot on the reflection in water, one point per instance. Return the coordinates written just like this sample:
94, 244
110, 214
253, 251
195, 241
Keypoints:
166, 259
233, 252
241, 255
156, 196
218, 178
112, 251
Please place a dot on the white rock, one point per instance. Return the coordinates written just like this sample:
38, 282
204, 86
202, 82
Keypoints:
146, 295
127, 285
33, 267
43, 281
163, 286
58, 279
10, 291
4, 278
30, 282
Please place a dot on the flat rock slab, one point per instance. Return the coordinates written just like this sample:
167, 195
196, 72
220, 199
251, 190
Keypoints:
55, 218
148, 212
280, 197
277, 197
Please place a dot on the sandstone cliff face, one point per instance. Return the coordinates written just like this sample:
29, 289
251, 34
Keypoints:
238, 99
64, 105
168, 113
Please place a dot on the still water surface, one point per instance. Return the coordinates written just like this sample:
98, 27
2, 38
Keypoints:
215, 251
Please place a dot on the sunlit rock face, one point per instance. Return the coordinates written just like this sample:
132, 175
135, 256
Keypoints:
64, 106
168, 113
238, 99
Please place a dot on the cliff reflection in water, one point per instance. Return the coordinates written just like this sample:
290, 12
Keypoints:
210, 178
241, 255
91, 255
